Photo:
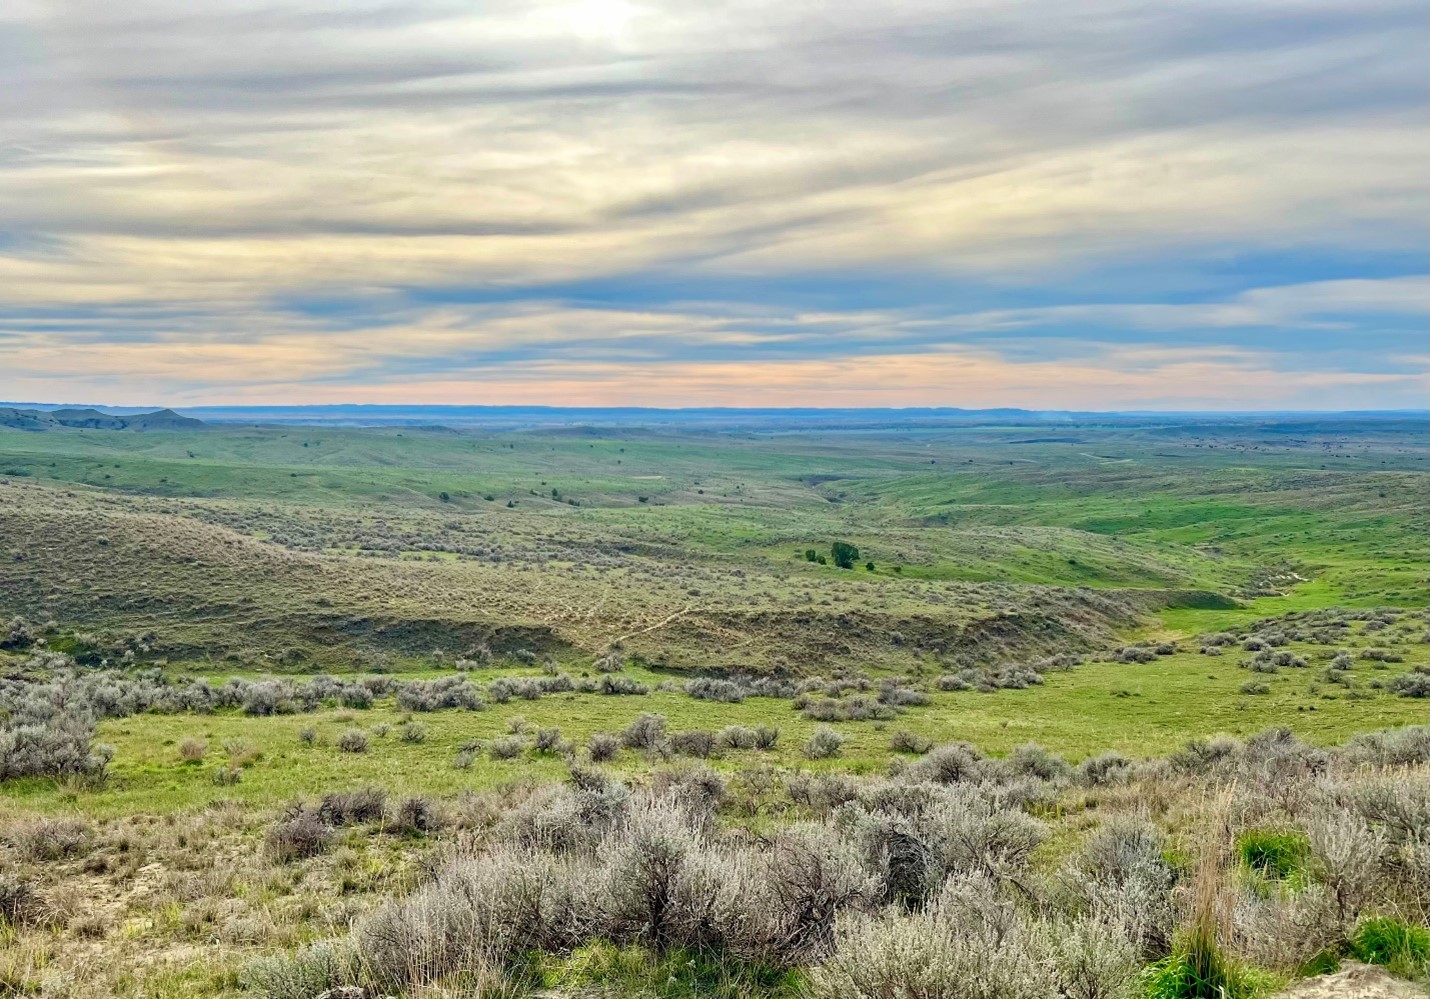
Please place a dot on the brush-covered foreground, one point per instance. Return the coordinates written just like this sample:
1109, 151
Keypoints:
1225, 869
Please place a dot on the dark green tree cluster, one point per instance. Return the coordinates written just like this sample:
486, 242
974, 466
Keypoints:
845, 554
842, 553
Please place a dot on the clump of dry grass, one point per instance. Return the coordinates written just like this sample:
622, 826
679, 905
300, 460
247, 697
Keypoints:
48, 839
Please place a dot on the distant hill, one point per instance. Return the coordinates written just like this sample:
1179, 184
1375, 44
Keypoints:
93, 419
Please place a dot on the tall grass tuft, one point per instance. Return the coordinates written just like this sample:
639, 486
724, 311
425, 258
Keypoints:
1198, 968
1403, 949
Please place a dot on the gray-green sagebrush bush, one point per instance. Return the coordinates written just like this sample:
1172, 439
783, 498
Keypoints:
919, 884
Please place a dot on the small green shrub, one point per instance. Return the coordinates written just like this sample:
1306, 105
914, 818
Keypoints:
1403, 949
1197, 969
1275, 853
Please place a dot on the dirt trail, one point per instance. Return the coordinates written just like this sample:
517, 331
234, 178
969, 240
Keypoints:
1355, 981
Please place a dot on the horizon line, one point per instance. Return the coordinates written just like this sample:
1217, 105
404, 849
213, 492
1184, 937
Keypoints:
546, 407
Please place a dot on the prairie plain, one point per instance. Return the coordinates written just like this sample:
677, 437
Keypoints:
573, 641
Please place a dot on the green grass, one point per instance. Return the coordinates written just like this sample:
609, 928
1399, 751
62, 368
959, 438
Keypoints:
1197, 969
1274, 853
1139, 710
1403, 948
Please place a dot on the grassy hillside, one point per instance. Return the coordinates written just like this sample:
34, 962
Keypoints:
324, 544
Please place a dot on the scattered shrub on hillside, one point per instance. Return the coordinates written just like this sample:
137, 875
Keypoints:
1103, 769
1201, 756
241, 752
1122, 868
1346, 856
443, 692
504, 688
618, 683
824, 743
898, 696
737, 737
47, 728
354, 740
972, 942
766, 736
193, 750
17, 634
1411, 685
21, 903
301, 834
948, 764
267, 697
856, 708
548, 740
1032, 760
51, 839
413, 732
473, 917
697, 742
646, 732
508, 747
346, 808
417, 816
707, 689
602, 747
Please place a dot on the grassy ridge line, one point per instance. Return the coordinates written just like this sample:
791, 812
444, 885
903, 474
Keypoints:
205, 587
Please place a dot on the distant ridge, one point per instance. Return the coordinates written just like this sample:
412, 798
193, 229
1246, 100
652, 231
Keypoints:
416, 417
93, 419
575, 419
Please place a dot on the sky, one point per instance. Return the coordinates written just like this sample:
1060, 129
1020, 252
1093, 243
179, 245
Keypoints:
1207, 204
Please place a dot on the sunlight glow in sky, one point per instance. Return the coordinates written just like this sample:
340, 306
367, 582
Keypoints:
1094, 205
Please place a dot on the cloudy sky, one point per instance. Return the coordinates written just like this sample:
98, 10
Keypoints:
1209, 204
